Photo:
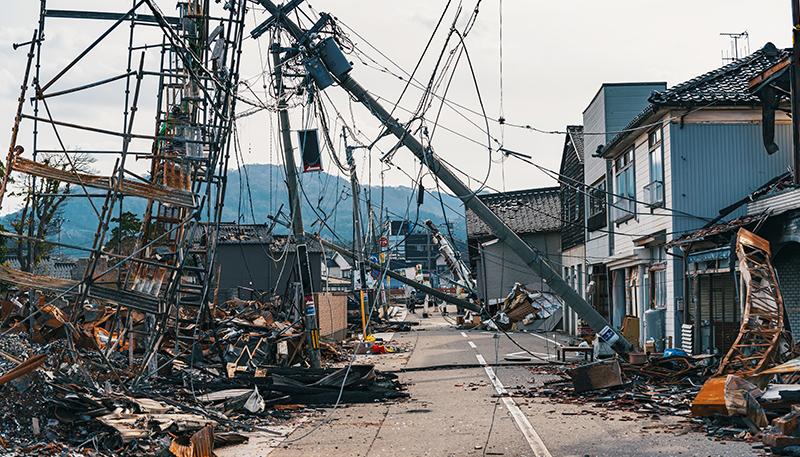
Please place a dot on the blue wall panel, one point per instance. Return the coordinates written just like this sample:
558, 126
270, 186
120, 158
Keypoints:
623, 102
715, 165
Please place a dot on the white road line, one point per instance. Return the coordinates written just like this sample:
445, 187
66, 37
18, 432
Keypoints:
472, 345
526, 354
546, 339
534, 440
464, 335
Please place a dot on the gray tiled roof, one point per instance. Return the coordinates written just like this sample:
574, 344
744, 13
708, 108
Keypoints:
727, 85
525, 211
242, 234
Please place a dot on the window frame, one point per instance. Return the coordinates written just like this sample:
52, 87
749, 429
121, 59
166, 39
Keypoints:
597, 204
597, 197
656, 147
625, 166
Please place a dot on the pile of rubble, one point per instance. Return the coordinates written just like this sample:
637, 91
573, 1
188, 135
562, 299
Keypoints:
752, 392
80, 383
522, 309
661, 386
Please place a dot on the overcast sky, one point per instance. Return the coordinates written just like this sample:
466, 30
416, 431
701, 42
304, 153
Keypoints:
556, 55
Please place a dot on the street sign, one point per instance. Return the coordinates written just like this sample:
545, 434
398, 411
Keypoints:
374, 273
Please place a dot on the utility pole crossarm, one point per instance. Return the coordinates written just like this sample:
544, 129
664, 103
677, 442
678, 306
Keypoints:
506, 236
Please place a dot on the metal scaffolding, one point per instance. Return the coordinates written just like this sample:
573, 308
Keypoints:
164, 278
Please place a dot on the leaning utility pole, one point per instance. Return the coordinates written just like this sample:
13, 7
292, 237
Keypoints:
358, 232
335, 66
309, 308
794, 76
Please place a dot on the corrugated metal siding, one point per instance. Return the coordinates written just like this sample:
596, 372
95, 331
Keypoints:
594, 120
504, 267
610, 111
624, 102
789, 199
714, 165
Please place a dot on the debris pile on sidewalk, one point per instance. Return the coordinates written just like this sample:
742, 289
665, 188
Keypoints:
660, 386
752, 392
82, 385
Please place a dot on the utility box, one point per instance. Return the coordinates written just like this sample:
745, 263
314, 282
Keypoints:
334, 58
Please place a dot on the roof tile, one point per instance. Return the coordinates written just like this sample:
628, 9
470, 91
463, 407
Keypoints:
525, 211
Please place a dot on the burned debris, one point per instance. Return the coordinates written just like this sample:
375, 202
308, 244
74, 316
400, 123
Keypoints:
749, 393
151, 344
135, 351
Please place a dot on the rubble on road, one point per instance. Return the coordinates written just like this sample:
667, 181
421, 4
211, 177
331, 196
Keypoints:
81, 386
522, 309
651, 389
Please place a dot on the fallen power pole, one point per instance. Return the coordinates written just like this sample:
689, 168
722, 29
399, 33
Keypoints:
400, 278
308, 309
336, 66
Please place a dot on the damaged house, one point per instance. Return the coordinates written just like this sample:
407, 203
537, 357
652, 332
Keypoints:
251, 258
611, 109
772, 210
695, 148
535, 215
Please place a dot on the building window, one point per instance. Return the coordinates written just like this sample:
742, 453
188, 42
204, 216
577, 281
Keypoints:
597, 205
624, 202
654, 191
654, 138
598, 198
570, 204
658, 273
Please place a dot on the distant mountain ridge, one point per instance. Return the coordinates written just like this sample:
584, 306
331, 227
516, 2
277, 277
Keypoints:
325, 196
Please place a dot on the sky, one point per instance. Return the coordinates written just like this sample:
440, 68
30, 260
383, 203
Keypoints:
555, 56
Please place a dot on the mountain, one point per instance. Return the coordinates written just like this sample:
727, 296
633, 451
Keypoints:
325, 196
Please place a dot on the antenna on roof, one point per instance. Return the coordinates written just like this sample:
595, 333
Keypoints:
737, 49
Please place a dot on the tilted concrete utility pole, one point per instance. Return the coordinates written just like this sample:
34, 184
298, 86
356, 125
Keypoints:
528, 255
308, 308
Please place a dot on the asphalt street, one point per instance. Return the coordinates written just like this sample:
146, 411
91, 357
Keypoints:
458, 382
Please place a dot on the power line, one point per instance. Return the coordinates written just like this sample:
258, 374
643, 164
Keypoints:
553, 172
418, 85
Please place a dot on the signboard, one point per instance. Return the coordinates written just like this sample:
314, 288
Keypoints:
309, 150
608, 335
374, 273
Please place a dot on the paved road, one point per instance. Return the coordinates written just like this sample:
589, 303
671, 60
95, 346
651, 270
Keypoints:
457, 412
